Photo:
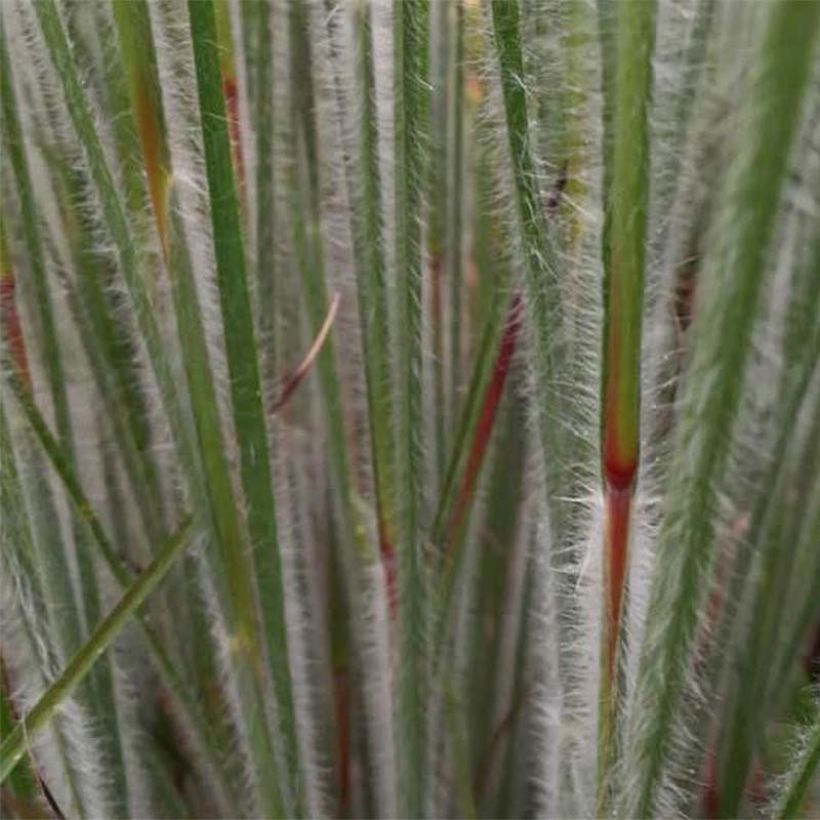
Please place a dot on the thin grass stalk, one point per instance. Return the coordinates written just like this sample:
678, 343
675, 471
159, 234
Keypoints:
486, 419
15, 529
774, 544
99, 688
14, 745
571, 185
368, 260
237, 599
353, 548
126, 136
498, 674
230, 93
12, 331
478, 427
802, 769
453, 250
243, 364
439, 196
547, 342
627, 204
482, 368
21, 780
793, 388
541, 290
606, 10
452, 545
101, 299
777, 546
265, 184
116, 221
229, 564
195, 721
373, 307
49, 561
410, 54
807, 575
713, 388
139, 61
304, 209
72, 623
107, 349
694, 60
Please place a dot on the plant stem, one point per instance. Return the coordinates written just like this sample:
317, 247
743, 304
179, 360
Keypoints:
241, 350
627, 205
722, 344
100, 687
800, 774
16, 743
196, 724
410, 53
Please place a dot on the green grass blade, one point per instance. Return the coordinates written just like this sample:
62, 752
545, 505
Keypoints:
624, 263
241, 349
482, 368
18, 542
438, 195
714, 383
410, 46
100, 685
228, 563
34, 245
21, 779
116, 221
196, 722
139, 61
801, 772
453, 248
541, 288
15, 744
265, 184
372, 296
108, 349
72, 628
775, 547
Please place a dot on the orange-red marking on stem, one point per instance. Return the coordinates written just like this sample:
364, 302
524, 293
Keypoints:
12, 330
295, 378
231, 93
388, 555
149, 126
342, 709
618, 507
489, 410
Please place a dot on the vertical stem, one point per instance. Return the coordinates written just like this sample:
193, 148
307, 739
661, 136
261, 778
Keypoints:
265, 212
16, 742
410, 45
627, 204
455, 205
100, 687
439, 196
240, 343
723, 339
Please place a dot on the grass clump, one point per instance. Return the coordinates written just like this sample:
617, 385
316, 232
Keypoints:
410, 409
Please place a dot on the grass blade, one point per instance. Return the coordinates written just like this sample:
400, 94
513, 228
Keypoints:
624, 261
100, 687
16, 742
713, 388
194, 719
799, 777
241, 349
410, 54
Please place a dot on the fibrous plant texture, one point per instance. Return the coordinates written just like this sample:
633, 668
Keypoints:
410, 409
